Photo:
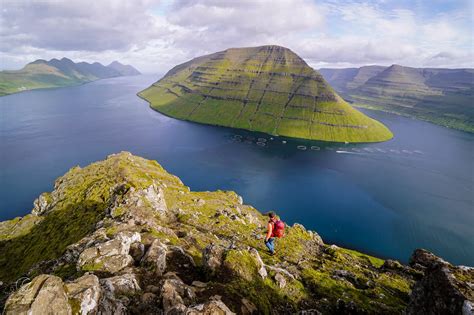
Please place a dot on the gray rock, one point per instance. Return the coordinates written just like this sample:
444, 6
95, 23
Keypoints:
443, 289
41, 205
212, 257
468, 308
111, 256
175, 293
155, 257
85, 292
213, 307
43, 294
424, 258
199, 284
126, 284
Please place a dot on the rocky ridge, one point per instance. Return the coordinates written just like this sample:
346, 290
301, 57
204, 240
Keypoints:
123, 236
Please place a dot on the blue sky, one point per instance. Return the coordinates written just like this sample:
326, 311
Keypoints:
155, 35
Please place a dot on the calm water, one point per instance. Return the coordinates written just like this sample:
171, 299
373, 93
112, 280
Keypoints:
386, 199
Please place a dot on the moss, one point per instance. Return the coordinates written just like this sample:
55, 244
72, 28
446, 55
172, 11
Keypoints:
117, 212
376, 262
75, 306
93, 266
241, 264
111, 231
173, 240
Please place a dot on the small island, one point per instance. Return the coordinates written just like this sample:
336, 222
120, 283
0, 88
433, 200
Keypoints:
268, 89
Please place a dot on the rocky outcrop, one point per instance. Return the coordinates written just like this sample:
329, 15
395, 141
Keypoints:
109, 257
123, 236
444, 288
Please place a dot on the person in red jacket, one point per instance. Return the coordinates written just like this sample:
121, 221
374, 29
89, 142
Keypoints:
275, 228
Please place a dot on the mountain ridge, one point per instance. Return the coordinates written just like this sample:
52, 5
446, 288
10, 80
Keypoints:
439, 95
268, 89
58, 73
123, 235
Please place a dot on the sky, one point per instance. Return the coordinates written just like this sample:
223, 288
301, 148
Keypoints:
155, 35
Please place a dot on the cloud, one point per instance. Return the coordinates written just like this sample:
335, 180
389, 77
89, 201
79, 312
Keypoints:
156, 35
86, 25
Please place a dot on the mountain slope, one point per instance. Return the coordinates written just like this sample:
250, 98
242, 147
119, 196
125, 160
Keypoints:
123, 236
268, 89
58, 73
123, 69
442, 96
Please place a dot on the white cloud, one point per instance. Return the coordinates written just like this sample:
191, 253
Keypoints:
155, 36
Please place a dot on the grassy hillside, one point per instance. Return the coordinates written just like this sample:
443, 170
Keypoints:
58, 73
268, 89
441, 96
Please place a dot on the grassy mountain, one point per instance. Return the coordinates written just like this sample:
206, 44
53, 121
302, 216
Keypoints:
58, 73
268, 89
442, 96
123, 236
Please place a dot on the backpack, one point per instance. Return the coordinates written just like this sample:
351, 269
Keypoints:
278, 229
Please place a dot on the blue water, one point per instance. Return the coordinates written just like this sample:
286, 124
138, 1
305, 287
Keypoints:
386, 199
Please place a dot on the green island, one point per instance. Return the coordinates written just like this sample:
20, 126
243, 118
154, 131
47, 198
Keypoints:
41, 74
124, 236
441, 96
267, 89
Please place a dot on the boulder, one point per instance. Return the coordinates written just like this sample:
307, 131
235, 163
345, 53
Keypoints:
126, 284
175, 294
85, 292
116, 294
43, 294
444, 288
111, 256
212, 257
155, 257
213, 307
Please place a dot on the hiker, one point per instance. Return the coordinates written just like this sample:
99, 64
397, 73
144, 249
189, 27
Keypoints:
275, 228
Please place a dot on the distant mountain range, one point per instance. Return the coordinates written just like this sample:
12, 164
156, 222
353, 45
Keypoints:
441, 96
58, 73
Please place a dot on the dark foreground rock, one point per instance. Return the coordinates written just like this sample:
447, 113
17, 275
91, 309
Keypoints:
123, 236
444, 288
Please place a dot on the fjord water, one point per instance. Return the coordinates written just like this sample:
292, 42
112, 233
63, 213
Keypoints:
385, 198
